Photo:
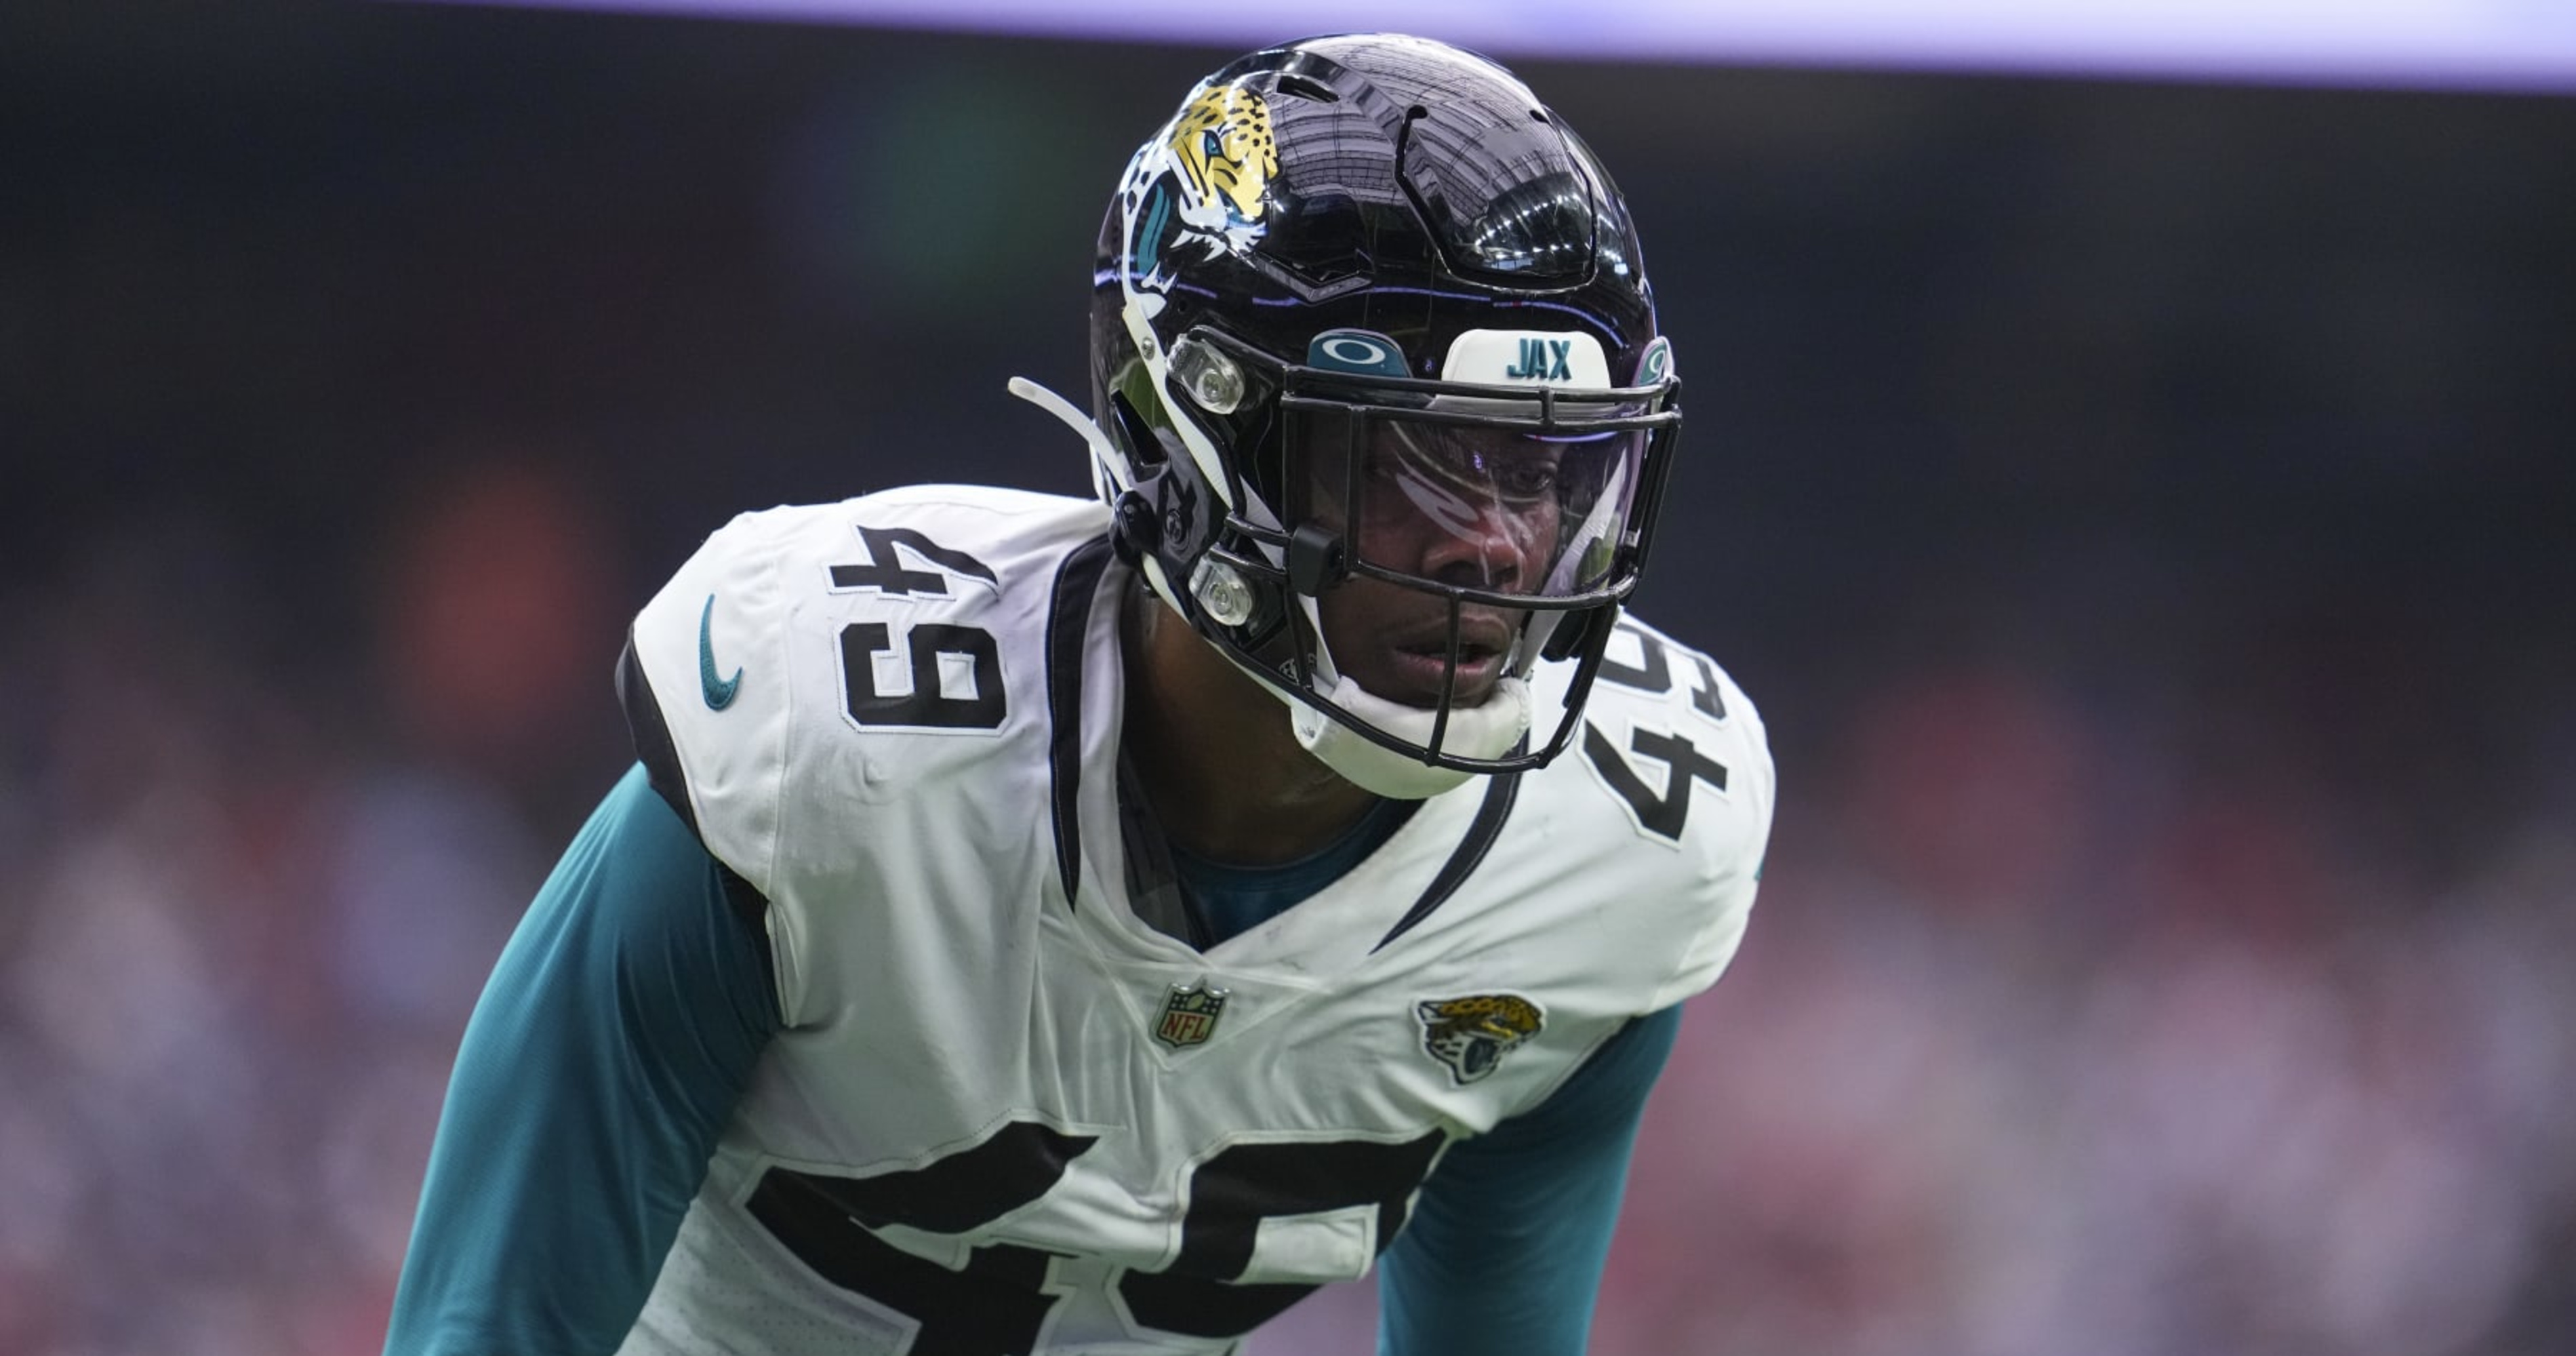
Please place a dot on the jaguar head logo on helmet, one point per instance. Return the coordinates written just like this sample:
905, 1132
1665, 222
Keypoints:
1372, 305
1224, 150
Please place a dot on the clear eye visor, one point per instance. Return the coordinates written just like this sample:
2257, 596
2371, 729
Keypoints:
1505, 496
1444, 535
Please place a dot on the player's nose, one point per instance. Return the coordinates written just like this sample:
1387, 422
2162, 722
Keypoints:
1490, 547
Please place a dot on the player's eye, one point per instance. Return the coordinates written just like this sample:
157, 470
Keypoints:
1525, 479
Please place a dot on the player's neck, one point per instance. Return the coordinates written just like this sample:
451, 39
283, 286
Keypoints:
1227, 779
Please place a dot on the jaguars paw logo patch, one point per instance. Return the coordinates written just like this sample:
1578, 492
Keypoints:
1471, 1035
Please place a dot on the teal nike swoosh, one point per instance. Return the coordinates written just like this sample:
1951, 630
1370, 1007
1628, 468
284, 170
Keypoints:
719, 692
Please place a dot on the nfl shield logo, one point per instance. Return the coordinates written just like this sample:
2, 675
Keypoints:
1189, 1015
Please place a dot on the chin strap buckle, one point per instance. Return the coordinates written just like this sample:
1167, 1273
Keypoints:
1315, 560
1135, 530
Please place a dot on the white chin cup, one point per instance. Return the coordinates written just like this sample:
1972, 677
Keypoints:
1486, 730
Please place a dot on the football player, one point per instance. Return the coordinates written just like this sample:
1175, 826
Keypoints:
1040, 925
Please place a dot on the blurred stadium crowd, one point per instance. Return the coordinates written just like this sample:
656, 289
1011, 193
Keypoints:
2140, 512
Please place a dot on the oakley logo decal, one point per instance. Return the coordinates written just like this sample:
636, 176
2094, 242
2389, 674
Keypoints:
1348, 350
1658, 361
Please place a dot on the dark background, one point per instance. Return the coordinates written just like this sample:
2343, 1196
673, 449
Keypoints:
2141, 511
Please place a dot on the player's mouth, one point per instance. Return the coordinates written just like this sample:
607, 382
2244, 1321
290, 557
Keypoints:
1422, 663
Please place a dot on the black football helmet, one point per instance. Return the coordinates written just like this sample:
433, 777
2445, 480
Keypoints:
1378, 400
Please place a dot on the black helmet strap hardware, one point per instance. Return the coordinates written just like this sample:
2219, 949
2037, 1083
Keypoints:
1315, 559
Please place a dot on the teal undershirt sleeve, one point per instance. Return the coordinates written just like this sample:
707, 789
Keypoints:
1507, 1240
610, 1046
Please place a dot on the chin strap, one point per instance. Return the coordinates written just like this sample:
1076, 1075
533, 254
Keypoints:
1110, 473
1486, 730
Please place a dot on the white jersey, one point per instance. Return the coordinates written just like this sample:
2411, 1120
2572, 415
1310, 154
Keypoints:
1006, 1115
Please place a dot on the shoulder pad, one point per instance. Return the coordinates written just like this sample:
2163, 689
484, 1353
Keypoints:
794, 632
1671, 741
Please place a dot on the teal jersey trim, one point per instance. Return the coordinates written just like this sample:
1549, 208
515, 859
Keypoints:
617, 1033
1505, 1247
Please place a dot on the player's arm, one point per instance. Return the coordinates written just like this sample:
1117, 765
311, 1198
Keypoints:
1505, 1247
609, 1048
